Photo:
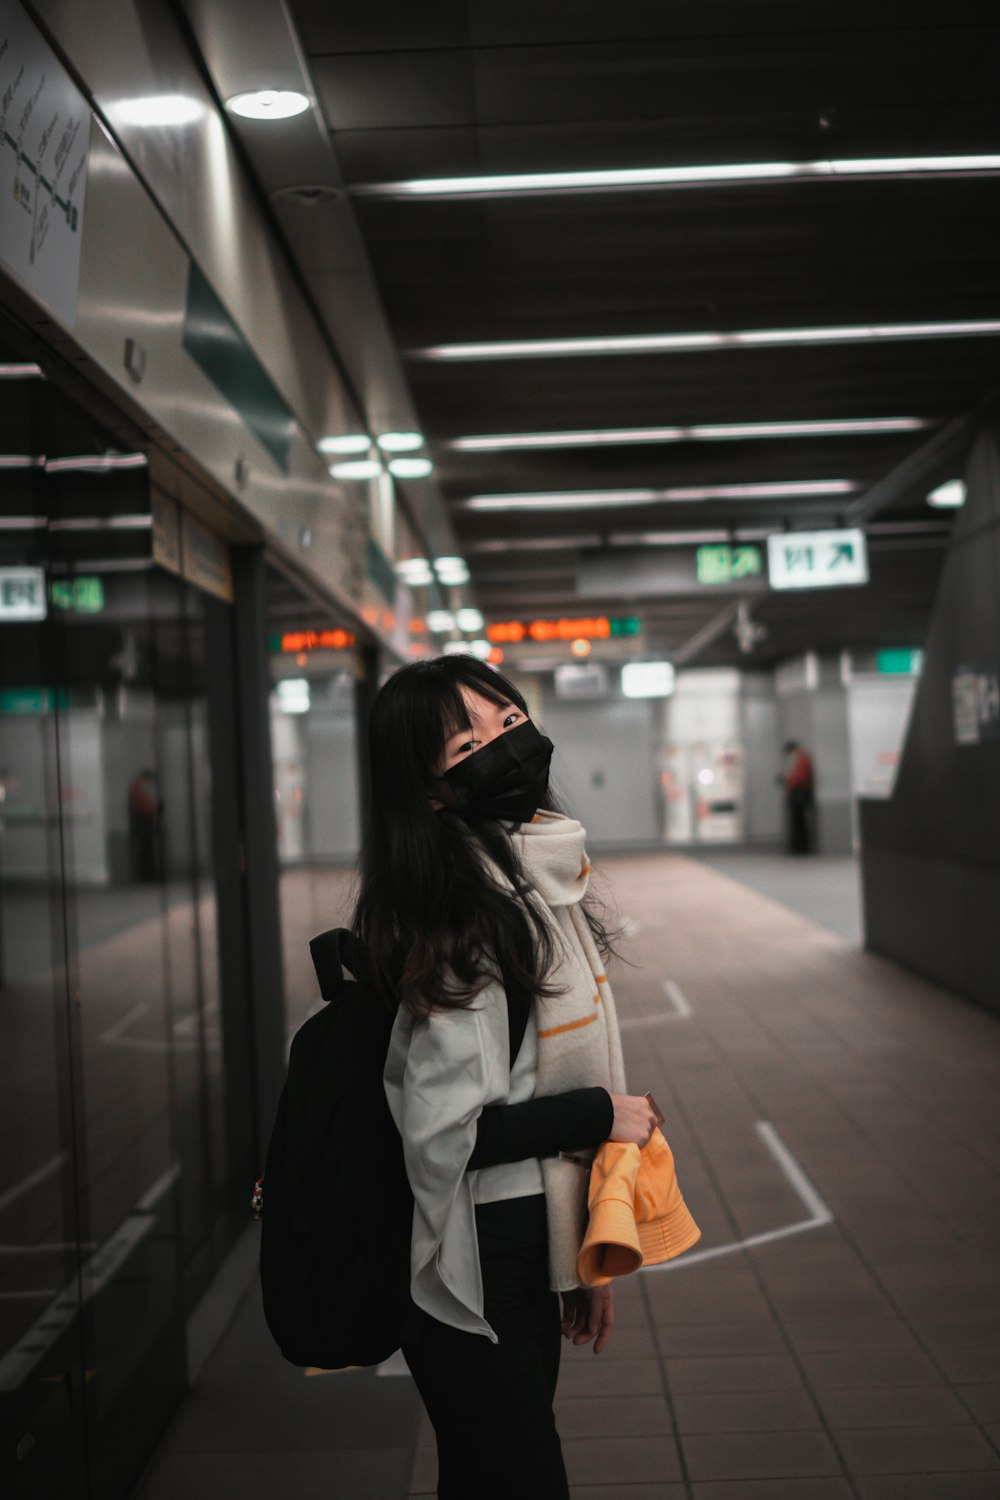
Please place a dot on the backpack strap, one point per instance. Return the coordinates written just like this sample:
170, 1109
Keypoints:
338, 949
332, 953
518, 1008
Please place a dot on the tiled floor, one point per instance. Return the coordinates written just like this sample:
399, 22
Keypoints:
844, 1338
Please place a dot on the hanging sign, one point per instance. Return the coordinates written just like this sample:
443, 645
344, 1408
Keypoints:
816, 559
44, 141
22, 594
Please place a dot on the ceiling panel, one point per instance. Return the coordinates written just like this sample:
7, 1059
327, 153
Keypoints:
464, 88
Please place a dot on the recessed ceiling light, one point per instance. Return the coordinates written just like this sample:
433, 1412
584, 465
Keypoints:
589, 499
400, 442
158, 109
357, 468
348, 442
268, 104
717, 432
469, 619
410, 468
440, 621
949, 495
674, 343
516, 184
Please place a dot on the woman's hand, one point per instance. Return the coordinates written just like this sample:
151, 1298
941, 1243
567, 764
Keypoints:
635, 1119
588, 1313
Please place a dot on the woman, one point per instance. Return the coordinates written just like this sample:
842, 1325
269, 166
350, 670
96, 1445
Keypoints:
472, 908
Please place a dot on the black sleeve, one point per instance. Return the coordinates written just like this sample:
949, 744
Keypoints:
542, 1127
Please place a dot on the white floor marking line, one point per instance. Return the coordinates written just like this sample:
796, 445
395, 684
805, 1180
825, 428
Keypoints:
681, 1010
819, 1213
677, 998
27, 1183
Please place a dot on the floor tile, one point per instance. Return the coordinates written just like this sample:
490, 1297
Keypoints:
760, 1455
690, 1340
915, 1450
960, 1486
740, 1373
772, 1489
744, 1411
892, 1406
613, 1416
623, 1377
621, 1461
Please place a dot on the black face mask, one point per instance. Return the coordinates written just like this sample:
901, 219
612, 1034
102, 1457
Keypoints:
507, 779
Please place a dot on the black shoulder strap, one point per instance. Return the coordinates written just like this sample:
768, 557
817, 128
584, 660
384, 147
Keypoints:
338, 949
518, 1008
332, 953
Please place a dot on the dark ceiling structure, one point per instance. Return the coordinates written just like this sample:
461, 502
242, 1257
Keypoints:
815, 263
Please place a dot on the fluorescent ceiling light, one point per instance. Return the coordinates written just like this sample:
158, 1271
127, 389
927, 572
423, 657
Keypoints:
25, 371
400, 442
469, 619
456, 648
357, 468
410, 468
96, 462
648, 679
293, 695
348, 442
158, 109
586, 499
666, 538
949, 495
440, 621
717, 432
517, 184
20, 461
535, 544
268, 104
103, 523
674, 343
481, 649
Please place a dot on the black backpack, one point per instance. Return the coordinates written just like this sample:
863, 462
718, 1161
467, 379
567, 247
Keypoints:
334, 1203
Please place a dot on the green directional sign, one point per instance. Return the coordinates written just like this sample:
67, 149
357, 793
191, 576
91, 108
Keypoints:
724, 564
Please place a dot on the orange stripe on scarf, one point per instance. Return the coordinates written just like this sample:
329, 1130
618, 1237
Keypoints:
569, 1026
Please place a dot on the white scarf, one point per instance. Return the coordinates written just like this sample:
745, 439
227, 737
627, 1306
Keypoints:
578, 1039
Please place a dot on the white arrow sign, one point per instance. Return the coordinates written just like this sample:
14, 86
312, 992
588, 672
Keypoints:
816, 559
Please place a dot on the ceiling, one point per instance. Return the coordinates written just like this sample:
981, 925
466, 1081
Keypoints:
473, 87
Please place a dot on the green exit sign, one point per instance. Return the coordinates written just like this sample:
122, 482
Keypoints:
895, 663
728, 564
624, 625
82, 594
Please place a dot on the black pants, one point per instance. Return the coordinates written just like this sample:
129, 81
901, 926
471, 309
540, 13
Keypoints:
491, 1404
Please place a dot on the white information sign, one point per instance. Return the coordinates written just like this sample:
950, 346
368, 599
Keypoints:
22, 594
816, 559
44, 140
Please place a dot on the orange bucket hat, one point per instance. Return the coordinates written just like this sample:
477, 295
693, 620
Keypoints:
638, 1216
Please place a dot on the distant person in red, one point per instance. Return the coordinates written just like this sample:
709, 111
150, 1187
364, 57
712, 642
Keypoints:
797, 780
145, 810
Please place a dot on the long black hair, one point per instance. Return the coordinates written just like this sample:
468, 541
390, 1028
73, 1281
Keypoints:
436, 926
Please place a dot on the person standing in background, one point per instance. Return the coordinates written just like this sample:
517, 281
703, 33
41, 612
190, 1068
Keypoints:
798, 780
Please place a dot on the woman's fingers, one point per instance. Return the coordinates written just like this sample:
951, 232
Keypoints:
607, 1321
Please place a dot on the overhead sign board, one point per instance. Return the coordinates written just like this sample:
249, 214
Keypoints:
717, 565
817, 559
22, 594
596, 628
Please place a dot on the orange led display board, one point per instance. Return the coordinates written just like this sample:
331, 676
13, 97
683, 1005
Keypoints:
294, 641
598, 628
510, 632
